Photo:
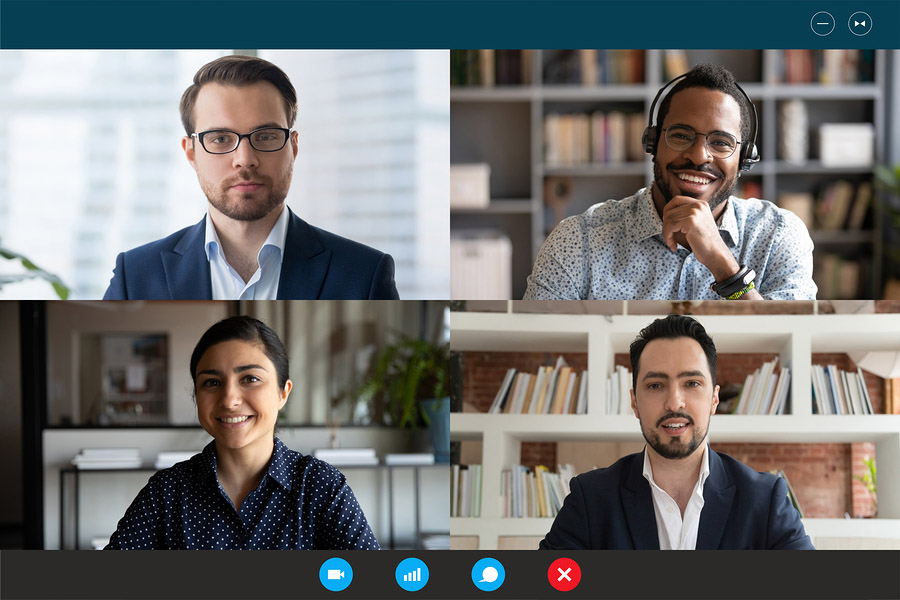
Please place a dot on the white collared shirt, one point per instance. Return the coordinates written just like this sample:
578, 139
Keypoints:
263, 285
674, 532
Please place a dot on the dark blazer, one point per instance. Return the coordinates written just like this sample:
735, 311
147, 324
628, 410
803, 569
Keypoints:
612, 509
316, 265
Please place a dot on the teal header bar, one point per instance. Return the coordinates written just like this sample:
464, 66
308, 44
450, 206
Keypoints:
273, 24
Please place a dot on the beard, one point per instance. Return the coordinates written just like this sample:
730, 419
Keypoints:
675, 448
668, 193
248, 206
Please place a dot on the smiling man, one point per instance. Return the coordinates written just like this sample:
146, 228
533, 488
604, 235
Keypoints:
678, 494
237, 117
687, 237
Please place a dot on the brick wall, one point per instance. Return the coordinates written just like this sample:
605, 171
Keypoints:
821, 474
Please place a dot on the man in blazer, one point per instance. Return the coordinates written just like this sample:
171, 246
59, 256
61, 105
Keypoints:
678, 493
237, 116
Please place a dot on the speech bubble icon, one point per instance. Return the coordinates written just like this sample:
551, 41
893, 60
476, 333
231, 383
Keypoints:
489, 575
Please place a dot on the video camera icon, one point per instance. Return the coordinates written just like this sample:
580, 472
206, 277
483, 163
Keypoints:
335, 574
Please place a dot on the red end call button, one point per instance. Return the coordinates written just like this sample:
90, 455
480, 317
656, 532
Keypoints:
564, 574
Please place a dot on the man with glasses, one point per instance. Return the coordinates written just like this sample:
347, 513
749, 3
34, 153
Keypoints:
686, 237
238, 116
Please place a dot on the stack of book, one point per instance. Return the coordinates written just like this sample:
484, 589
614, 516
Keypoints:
488, 68
594, 67
618, 392
596, 138
837, 392
555, 390
537, 493
828, 67
347, 457
108, 458
465, 491
765, 392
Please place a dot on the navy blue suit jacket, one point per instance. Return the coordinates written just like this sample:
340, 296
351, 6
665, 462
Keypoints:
612, 509
316, 265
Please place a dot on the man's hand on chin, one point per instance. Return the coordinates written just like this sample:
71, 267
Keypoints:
689, 222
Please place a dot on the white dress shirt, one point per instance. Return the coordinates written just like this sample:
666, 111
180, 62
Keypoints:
263, 285
674, 532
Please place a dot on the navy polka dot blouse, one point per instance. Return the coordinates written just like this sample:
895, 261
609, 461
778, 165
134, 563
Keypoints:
301, 503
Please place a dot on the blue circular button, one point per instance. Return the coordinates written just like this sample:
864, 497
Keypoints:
335, 574
822, 23
488, 574
411, 574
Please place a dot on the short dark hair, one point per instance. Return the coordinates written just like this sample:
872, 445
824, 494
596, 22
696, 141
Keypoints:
237, 70
246, 329
713, 77
670, 328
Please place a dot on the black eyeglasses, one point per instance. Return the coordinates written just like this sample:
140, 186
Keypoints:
719, 143
223, 141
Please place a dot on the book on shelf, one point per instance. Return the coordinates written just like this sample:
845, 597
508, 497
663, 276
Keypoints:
839, 392
409, 459
347, 457
765, 391
801, 204
596, 138
107, 458
556, 389
838, 276
592, 67
533, 493
826, 67
618, 392
791, 494
489, 68
465, 490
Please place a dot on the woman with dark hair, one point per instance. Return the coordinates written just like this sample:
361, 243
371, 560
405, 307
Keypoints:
246, 490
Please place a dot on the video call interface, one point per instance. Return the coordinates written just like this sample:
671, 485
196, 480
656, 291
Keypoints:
481, 312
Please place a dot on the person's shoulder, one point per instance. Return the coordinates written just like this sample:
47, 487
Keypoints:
152, 249
340, 246
313, 470
611, 211
763, 211
609, 478
742, 474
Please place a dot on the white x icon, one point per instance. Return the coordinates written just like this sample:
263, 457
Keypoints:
564, 574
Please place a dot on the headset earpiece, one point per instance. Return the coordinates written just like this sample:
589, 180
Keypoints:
648, 140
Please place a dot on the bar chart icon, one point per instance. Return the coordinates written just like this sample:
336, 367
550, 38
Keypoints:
411, 574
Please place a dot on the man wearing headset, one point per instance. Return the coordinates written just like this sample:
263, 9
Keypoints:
686, 237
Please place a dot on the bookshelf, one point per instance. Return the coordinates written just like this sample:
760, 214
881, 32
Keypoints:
503, 125
793, 337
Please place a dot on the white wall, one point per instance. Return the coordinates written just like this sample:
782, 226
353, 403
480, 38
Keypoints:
184, 322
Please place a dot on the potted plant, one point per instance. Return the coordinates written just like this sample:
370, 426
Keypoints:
407, 385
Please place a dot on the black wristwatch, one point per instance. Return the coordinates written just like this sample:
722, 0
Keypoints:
736, 285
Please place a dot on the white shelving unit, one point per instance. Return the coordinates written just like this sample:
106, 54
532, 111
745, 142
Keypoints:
503, 126
794, 337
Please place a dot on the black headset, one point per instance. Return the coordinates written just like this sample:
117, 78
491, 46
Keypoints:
749, 155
